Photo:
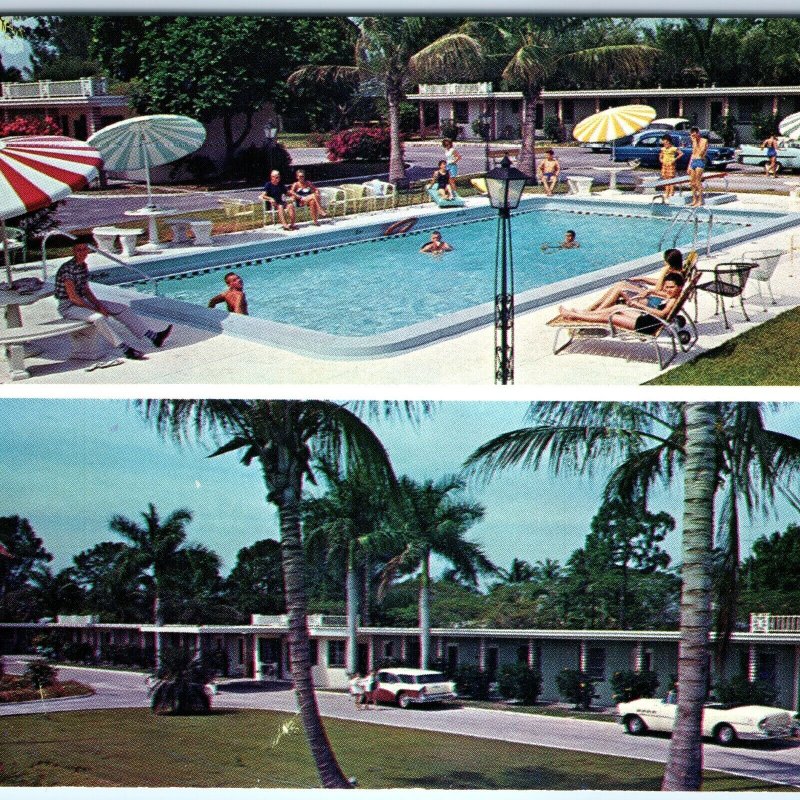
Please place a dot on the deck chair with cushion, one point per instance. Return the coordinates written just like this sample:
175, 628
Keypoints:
729, 280
678, 329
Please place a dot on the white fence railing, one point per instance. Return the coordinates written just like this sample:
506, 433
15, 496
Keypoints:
775, 623
46, 90
317, 620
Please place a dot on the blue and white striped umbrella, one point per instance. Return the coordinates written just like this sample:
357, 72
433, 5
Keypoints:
790, 126
144, 142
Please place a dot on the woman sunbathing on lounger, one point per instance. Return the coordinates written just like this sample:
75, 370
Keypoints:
643, 312
630, 287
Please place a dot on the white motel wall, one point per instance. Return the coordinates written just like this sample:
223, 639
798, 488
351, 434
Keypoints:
769, 651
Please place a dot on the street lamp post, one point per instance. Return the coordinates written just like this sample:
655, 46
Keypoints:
270, 134
504, 185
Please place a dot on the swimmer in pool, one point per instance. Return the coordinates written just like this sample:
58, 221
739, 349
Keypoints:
569, 243
435, 245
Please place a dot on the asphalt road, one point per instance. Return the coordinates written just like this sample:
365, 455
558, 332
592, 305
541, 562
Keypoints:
87, 210
777, 761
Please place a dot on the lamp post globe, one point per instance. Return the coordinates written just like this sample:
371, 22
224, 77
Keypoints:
504, 185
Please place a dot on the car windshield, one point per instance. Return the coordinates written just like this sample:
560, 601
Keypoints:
429, 677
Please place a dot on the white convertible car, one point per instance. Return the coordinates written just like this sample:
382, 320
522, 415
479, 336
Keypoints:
724, 724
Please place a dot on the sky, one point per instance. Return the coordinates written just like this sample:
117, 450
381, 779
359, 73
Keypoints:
70, 465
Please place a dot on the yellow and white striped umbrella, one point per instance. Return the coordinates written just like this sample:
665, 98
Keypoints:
614, 123
790, 126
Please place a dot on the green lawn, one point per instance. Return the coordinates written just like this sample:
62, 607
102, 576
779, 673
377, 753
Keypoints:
768, 355
248, 749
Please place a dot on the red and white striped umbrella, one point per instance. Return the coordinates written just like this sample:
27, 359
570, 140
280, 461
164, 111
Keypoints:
36, 171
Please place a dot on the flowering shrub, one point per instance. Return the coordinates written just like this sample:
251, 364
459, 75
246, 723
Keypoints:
367, 144
30, 126
576, 687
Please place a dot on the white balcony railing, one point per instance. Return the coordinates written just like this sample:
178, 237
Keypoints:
454, 89
774, 623
317, 620
55, 90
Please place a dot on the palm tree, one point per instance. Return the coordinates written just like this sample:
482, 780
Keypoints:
383, 56
282, 437
343, 524
179, 684
434, 522
539, 50
520, 571
650, 442
156, 547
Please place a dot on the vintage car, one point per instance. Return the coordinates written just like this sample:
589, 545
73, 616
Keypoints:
406, 687
663, 124
756, 156
645, 148
724, 724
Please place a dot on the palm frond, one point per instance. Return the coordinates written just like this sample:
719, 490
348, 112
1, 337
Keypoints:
455, 55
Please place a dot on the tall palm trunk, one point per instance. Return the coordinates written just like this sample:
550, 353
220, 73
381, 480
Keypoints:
286, 482
351, 599
158, 618
397, 169
425, 612
684, 766
527, 156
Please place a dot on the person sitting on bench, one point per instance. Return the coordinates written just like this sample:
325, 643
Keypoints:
77, 301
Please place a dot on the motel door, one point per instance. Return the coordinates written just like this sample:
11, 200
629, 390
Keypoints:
269, 654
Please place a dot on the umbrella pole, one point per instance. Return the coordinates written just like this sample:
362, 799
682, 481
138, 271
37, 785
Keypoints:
146, 161
6, 258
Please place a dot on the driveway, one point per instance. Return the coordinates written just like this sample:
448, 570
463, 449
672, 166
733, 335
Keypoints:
87, 209
770, 761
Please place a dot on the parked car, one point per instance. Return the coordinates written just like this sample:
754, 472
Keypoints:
665, 124
646, 145
756, 156
406, 687
725, 724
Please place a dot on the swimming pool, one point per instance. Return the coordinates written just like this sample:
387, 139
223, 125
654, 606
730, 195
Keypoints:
386, 295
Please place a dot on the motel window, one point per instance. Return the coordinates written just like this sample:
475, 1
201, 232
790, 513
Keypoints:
647, 661
313, 652
568, 110
461, 111
596, 663
336, 653
522, 654
747, 107
240, 652
674, 106
388, 649
515, 106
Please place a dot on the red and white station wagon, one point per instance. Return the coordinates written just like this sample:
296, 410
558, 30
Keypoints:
407, 687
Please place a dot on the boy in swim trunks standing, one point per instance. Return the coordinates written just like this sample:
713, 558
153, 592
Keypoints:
697, 164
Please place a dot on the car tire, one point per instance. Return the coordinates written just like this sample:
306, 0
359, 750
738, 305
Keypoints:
725, 735
404, 701
635, 725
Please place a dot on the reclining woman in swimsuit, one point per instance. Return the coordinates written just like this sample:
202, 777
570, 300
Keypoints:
643, 312
631, 287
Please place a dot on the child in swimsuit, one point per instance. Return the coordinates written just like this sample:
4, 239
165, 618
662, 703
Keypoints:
548, 172
441, 179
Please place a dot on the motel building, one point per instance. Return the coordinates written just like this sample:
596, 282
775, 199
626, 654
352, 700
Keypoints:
468, 104
769, 651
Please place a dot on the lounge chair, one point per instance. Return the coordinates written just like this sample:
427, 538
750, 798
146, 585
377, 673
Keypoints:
442, 202
678, 328
380, 194
237, 209
354, 197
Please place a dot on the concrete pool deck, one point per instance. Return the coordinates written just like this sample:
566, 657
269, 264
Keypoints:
197, 356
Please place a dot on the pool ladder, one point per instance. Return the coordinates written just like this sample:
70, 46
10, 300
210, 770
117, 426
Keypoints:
683, 218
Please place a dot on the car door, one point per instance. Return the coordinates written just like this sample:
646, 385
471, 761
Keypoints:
386, 687
647, 149
664, 717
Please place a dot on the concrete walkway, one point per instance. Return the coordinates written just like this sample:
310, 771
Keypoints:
192, 356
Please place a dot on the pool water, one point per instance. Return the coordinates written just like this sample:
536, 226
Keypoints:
379, 285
